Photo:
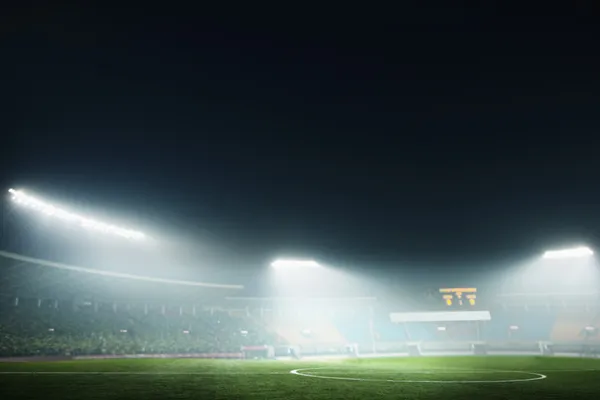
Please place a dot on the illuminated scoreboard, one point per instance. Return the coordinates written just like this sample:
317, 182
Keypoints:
459, 296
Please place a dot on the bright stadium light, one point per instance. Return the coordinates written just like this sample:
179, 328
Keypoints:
575, 252
19, 197
294, 264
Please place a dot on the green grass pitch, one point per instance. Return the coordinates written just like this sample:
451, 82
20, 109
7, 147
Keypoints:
485, 378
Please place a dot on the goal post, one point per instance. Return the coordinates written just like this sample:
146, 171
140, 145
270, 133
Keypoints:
479, 348
546, 348
352, 349
413, 349
441, 318
258, 352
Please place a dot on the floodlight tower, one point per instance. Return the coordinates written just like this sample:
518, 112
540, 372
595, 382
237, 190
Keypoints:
51, 210
295, 264
297, 276
574, 252
580, 263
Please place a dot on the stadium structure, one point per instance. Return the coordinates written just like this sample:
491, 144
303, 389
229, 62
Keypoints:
55, 308
73, 288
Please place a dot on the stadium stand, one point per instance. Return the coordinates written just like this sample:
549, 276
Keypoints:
51, 329
46, 309
53, 311
354, 328
571, 326
304, 331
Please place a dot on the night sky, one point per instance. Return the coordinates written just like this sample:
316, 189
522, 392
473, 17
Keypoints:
436, 138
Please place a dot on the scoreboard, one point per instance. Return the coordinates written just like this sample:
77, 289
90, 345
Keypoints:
460, 297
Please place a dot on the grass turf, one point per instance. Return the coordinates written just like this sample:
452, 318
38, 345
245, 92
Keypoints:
566, 378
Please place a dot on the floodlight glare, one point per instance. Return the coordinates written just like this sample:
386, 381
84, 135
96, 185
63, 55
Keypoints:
575, 252
295, 264
28, 201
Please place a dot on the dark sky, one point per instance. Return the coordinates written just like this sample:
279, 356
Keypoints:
434, 137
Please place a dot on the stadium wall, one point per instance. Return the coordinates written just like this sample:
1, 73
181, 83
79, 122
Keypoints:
173, 355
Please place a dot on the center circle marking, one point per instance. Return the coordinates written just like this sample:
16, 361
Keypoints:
534, 377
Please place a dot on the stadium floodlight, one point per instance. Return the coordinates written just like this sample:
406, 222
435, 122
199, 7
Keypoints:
294, 264
575, 252
85, 222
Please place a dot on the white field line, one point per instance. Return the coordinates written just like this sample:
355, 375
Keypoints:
534, 376
137, 373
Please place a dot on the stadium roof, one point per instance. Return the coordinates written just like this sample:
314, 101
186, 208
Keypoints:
27, 276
